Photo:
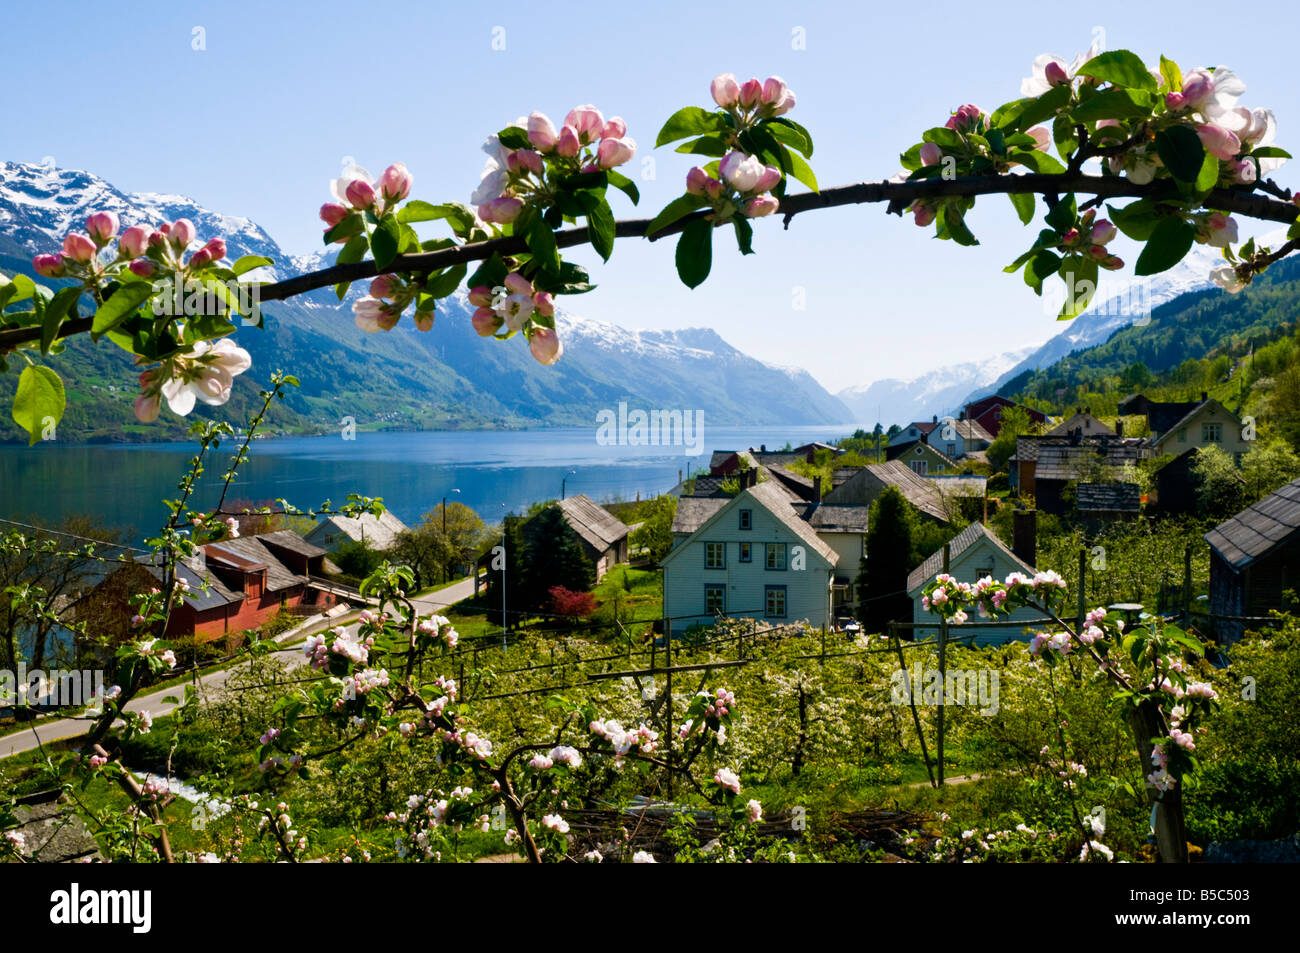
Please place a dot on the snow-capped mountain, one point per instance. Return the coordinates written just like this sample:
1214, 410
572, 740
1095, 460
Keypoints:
447, 378
941, 391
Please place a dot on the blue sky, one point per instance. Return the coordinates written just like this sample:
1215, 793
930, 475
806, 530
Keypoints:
260, 120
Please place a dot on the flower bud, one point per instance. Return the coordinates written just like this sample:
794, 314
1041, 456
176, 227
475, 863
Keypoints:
143, 267
158, 237
741, 171
587, 122
49, 266
541, 132
486, 322
1070, 237
383, 286
101, 227
480, 296
1042, 138
1198, 88
395, 183
696, 180
182, 233
768, 180
133, 242
525, 160
147, 407
424, 321
751, 93
544, 304
615, 128
501, 210
201, 258
774, 90
615, 152
931, 154
1219, 142
1097, 251
1103, 232
216, 247
567, 143
1175, 101
360, 194
517, 284
1055, 74
333, 214
545, 345
725, 90
1112, 263
79, 248
760, 206
923, 214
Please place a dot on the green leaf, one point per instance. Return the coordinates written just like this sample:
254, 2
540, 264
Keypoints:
943, 136
512, 137
600, 223
681, 206
352, 225
1208, 177
1038, 161
1181, 151
445, 282
1169, 243
695, 252
489, 274
248, 262
1137, 220
690, 121
801, 170
55, 311
1041, 266
744, 235
385, 242
1023, 202
1044, 107
1063, 215
541, 242
1110, 104
120, 304
1270, 152
1121, 68
1080, 276
1173, 76
39, 399
714, 146
624, 185
951, 223
791, 134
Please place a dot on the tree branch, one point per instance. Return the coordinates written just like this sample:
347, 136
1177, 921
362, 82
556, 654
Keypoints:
897, 194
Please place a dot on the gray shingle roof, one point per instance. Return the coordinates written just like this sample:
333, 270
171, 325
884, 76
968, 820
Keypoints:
292, 542
379, 532
833, 517
250, 549
1057, 462
914, 487
595, 524
919, 577
694, 511
1109, 498
1258, 528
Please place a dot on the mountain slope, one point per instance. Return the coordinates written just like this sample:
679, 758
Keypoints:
450, 378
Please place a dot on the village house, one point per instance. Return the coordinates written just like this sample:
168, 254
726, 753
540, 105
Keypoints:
377, 532
922, 459
863, 485
988, 411
973, 553
1208, 424
1254, 560
602, 535
763, 553
1084, 424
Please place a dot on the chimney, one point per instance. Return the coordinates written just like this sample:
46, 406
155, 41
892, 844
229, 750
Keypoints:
817, 488
1024, 536
1204, 396
934, 419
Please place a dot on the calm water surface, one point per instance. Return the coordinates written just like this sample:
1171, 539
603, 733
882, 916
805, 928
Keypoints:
122, 484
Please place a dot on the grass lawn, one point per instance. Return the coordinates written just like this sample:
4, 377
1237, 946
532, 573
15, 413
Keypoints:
639, 592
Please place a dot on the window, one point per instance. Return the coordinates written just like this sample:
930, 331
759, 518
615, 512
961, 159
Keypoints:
715, 555
715, 599
746, 519
775, 555
919, 467
982, 572
1182, 435
745, 555
952, 450
1211, 433
775, 602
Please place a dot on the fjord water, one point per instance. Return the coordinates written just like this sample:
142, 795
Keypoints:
120, 485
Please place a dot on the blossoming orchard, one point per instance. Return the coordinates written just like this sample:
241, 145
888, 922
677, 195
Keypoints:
1166, 154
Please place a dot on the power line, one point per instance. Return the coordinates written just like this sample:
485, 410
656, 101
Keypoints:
88, 539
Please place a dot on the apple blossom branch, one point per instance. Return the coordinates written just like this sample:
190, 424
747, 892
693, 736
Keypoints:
897, 194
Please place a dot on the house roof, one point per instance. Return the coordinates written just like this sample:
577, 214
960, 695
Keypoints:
1085, 422
1258, 528
1159, 437
919, 577
771, 497
254, 556
1067, 461
959, 485
834, 517
796, 483
1109, 498
694, 511
595, 524
379, 532
914, 487
970, 430
287, 539
842, 475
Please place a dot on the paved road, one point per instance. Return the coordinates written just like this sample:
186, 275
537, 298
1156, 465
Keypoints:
153, 703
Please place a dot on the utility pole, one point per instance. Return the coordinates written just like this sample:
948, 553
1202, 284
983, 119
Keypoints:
564, 480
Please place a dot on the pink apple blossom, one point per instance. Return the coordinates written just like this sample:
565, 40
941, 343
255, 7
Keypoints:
545, 345
49, 266
79, 248
541, 132
725, 90
134, 241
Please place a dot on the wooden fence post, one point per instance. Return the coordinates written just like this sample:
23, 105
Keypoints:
911, 698
943, 667
668, 704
